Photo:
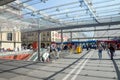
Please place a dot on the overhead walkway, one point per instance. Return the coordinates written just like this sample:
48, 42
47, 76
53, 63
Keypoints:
85, 66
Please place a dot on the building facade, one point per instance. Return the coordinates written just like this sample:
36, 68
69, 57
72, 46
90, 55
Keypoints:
46, 38
10, 39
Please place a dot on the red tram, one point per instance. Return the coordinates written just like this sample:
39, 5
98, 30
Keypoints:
107, 42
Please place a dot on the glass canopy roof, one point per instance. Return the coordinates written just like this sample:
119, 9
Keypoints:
64, 14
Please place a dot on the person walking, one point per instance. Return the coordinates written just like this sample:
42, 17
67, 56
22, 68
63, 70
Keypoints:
58, 51
112, 50
100, 48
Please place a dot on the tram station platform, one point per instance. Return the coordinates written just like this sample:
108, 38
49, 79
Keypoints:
84, 66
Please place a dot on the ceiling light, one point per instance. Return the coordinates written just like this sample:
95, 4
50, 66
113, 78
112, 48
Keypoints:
67, 15
57, 9
32, 14
44, 1
81, 3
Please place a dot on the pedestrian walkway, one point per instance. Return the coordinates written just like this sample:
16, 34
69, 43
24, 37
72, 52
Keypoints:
87, 64
96, 69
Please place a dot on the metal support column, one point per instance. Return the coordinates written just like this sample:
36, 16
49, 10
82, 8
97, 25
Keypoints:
39, 44
108, 32
14, 39
0, 33
61, 39
70, 36
61, 36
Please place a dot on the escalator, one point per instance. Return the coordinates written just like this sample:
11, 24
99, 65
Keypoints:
34, 56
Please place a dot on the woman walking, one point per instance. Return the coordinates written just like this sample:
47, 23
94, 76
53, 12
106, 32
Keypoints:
100, 48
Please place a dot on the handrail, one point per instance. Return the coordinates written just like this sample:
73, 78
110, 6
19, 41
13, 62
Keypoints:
35, 55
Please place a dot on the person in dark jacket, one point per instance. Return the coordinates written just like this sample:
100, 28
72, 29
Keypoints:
112, 50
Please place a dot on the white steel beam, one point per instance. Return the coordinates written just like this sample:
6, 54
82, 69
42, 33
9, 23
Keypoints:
88, 3
4, 2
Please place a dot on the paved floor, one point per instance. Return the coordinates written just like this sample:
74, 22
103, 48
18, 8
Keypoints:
85, 66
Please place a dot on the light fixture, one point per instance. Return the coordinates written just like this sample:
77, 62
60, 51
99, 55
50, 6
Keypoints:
57, 9
73, 18
44, 1
81, 3
32, 14
90, 4
87, 11
67, 15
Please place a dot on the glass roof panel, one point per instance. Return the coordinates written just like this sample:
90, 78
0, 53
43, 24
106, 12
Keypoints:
62, 14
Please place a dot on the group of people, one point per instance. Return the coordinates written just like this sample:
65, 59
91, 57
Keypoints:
110, 49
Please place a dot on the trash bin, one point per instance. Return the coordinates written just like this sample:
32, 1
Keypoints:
78, 50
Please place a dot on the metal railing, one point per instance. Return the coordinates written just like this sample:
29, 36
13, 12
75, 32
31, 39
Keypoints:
34, 57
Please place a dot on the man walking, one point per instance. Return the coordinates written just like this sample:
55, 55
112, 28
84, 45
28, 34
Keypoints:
112, 50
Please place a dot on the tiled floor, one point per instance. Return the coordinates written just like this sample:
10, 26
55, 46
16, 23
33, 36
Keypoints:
94, 68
